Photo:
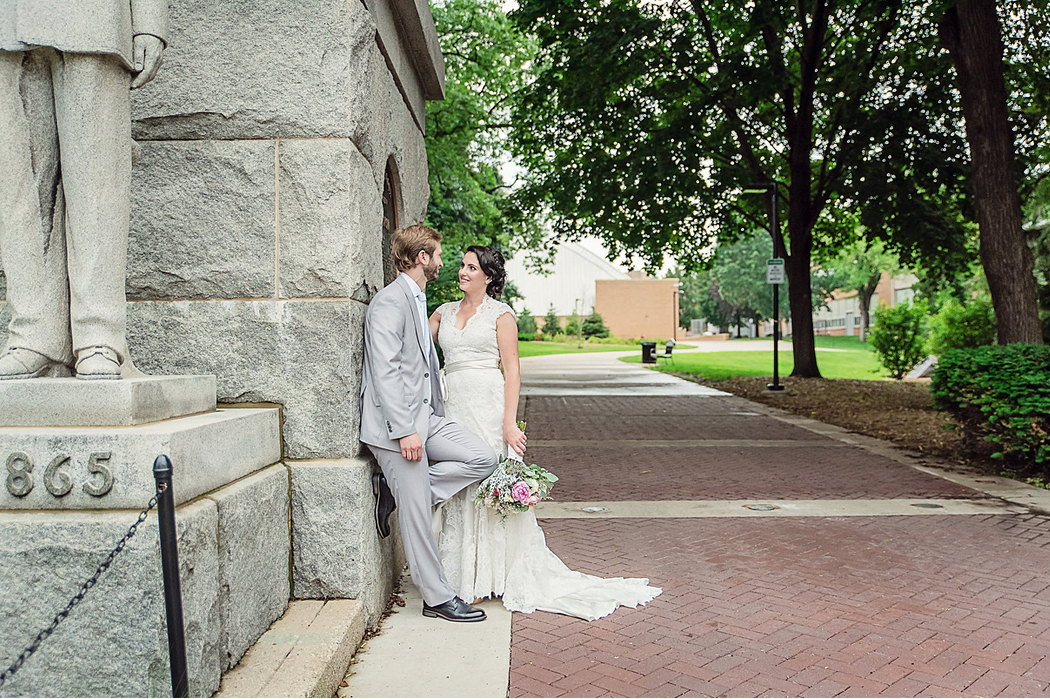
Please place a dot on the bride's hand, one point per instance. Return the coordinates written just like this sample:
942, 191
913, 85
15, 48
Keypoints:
514, 438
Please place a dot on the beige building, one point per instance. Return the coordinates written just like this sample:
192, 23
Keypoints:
842, 315
638, 307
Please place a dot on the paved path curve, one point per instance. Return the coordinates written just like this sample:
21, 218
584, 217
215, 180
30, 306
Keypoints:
797, 559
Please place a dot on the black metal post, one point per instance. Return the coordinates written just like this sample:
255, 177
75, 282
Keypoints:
773, 230
169, 558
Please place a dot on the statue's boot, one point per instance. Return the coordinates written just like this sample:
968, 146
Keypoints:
21, 363
98, 363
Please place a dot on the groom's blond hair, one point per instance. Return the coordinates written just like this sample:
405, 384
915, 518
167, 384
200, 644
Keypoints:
409, 241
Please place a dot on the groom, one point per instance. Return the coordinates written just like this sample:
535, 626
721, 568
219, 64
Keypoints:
425, 457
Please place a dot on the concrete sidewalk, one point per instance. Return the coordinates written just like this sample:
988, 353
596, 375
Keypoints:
796, 559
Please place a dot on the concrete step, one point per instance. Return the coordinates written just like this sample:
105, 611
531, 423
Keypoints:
304, 654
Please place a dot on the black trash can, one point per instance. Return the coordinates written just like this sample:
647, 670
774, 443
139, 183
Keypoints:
648, 353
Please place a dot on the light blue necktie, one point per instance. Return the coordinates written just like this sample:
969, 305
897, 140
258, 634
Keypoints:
422, 298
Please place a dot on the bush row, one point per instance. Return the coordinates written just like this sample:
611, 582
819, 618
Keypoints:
899, 336
1000, 394
593, 326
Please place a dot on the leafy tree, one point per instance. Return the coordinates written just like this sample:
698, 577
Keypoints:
594, 326
699, 298
899, 337
970, 30
690, 287
572, 324
1042, 248
485, 59
739, 270
859, 268
1038, 216
645, 119
962, 327
526, 325
551, 323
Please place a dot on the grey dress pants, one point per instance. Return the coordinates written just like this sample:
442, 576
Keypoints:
453, 458
65, 174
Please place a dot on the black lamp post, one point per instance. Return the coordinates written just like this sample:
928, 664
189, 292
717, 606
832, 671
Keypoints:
770, 188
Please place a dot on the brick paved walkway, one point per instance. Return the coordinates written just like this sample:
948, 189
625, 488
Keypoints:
933, 605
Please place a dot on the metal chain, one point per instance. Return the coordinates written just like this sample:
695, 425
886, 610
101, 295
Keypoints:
90, 583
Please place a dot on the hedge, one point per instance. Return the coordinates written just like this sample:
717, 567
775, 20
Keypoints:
1000, 393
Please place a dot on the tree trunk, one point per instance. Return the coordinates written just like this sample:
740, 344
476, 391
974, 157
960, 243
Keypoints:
738, 335
970, 31
797, 264
864, 295
865, 303
803, 346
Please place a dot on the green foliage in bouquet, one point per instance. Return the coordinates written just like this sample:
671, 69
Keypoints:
515, 486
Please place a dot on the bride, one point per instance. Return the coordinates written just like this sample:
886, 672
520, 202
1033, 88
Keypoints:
484, 555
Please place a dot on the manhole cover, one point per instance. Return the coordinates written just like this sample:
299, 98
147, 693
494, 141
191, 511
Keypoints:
596, 509
762, 507
927, 505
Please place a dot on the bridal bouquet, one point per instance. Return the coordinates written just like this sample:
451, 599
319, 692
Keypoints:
515, 486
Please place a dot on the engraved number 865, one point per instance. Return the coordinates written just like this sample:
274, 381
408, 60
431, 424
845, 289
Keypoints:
56, 480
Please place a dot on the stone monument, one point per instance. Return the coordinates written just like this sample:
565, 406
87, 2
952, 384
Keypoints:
77, 453
281, 145
65, 149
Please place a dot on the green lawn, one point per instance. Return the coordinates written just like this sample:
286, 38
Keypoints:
831, 341
857, 362
533, 349
842, 342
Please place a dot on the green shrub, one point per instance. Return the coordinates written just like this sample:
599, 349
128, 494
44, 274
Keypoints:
526, 325
594, 326
1000, 394
551, 324
572, 324
899, 337
962, 327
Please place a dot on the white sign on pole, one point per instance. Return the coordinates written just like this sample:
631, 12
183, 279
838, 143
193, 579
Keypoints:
775, 271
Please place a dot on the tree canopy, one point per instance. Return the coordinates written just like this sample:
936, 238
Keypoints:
486, 59
645, 121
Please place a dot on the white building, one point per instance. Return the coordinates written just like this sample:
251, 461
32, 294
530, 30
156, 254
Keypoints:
570, 284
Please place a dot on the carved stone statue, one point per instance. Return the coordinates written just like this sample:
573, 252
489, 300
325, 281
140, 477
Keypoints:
65, 172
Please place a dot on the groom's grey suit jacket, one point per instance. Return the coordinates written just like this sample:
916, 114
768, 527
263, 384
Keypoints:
400, 387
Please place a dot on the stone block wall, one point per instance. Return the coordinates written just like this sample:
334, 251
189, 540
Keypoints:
257, 206
256, 240
233, 561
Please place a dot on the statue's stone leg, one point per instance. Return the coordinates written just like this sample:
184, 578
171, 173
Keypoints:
93, 111
32, 212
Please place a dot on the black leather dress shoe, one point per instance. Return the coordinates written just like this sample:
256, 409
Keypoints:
454, 610
384, 504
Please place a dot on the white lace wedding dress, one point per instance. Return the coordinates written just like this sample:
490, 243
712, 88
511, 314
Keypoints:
482, 554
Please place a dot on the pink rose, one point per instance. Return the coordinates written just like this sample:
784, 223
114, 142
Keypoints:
533, 500
520, 491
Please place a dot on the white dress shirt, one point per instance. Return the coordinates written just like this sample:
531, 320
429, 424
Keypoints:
421, 307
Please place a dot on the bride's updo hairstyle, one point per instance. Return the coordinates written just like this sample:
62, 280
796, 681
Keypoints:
491, 262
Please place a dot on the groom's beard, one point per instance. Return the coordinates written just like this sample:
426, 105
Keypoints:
431, 271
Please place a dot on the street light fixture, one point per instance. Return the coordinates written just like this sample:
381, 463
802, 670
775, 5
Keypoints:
770, 188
